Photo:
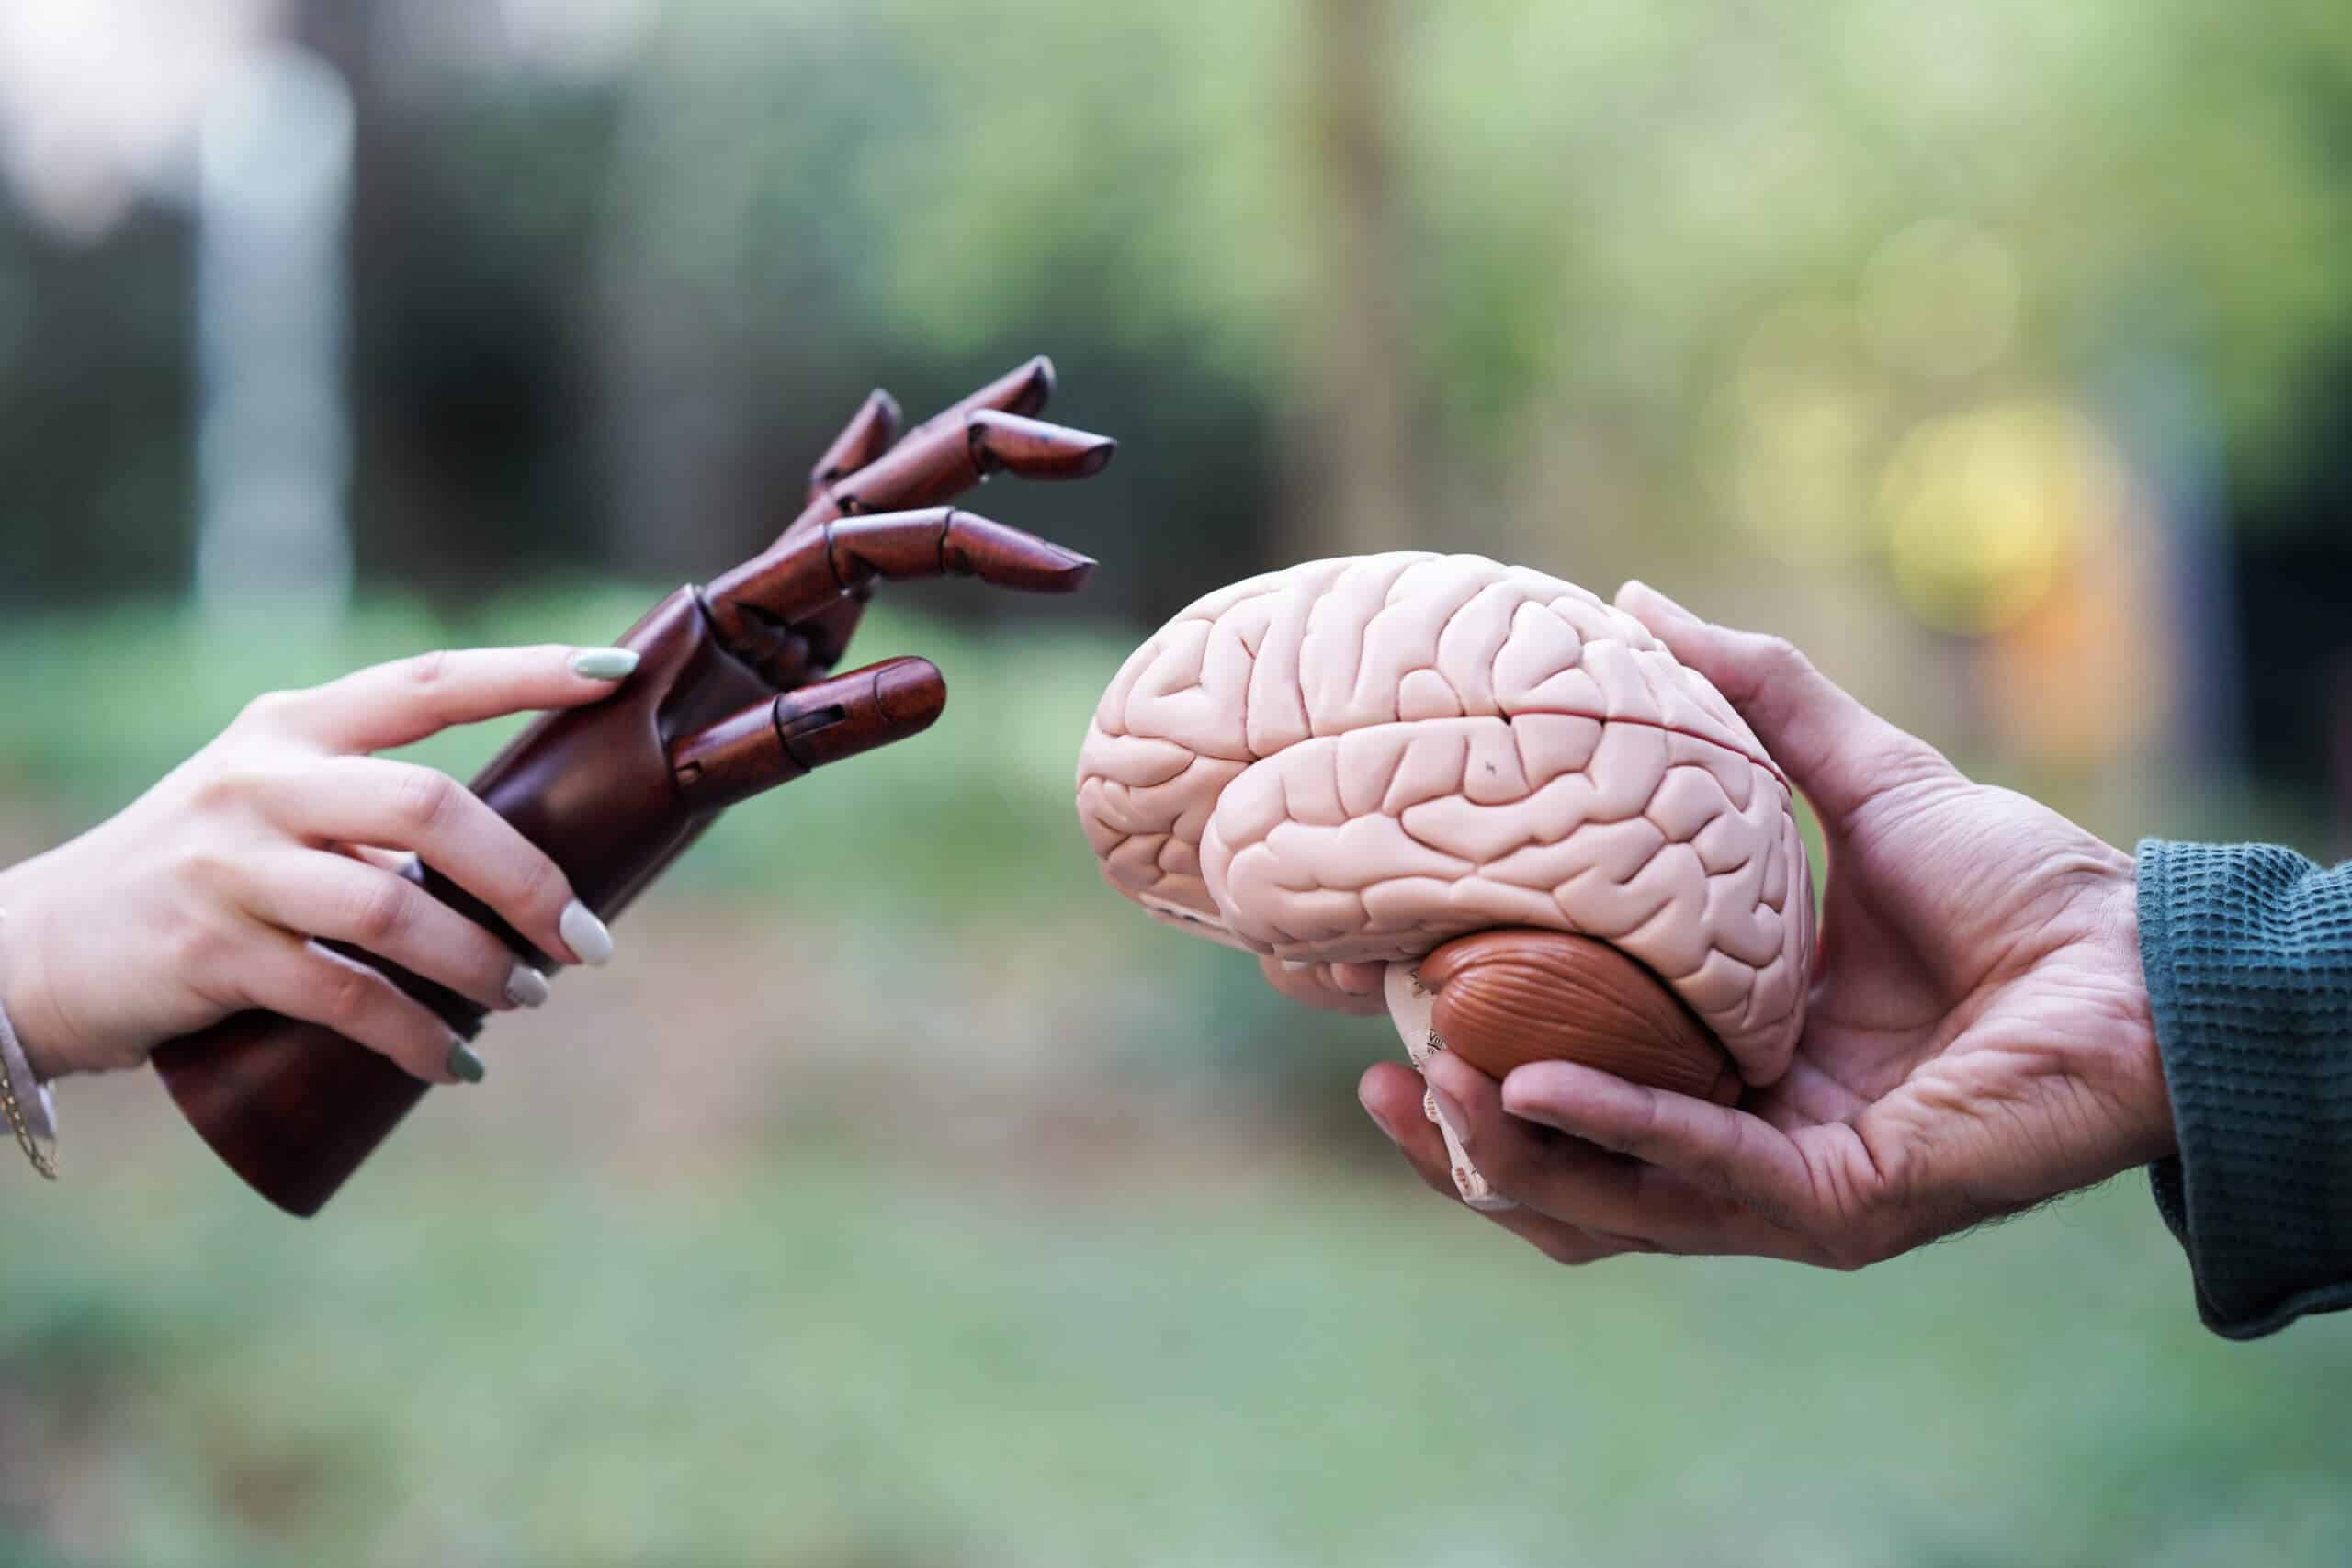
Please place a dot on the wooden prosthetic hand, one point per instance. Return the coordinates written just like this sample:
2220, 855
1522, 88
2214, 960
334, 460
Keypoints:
731, 696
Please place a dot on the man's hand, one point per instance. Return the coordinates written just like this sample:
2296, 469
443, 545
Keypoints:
1978, 1039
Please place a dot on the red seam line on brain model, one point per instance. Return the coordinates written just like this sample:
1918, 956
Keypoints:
1604, 721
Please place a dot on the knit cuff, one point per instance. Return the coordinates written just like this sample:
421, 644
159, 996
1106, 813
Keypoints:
2247, 950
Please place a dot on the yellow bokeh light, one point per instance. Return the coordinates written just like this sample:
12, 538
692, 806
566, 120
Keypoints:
1800, 416
1982, 508
1798, 470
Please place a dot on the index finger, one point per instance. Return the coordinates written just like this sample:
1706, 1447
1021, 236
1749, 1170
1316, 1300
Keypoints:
392, 705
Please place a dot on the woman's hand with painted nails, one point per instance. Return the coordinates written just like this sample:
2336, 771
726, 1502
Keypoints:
1978, 1038
211, 893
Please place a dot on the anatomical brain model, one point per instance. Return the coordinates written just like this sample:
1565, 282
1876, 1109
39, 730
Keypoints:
1474, 792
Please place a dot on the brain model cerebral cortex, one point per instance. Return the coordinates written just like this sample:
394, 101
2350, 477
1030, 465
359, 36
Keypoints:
1474, 794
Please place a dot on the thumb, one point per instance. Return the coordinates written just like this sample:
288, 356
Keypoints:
1835, 749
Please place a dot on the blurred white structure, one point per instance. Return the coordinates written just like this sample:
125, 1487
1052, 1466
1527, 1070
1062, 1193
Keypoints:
99, 99
274, 172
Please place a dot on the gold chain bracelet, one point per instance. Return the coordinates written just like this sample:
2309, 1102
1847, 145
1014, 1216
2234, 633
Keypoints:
11, 1053
43, 1162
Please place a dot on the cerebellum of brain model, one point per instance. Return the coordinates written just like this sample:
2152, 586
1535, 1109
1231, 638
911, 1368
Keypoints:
1347, 765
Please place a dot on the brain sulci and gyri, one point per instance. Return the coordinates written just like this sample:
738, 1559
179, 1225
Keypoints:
1473, 795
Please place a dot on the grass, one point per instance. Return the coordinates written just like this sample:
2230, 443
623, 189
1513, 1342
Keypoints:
823, 1357
895, 1199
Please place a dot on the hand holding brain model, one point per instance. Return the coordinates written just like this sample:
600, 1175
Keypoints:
1477, 796
1554, 840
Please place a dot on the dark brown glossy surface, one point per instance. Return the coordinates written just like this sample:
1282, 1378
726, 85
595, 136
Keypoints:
1021, 392
775, 742
810, 572
867, 436
716, 712
1509, 997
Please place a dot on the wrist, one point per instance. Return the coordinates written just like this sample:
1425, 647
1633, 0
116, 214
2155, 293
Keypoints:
25, 992
25, 1101
2133, 1062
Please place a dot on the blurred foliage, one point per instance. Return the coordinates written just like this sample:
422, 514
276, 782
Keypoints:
829, 1360
1600, 198
604, 319
96, 470
902, 1197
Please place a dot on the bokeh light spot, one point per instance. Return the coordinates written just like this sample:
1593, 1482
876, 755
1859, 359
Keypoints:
1798, 421
1940, 299
1980, 508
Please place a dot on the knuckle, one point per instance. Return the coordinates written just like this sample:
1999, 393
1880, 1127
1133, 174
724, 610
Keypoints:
1783, 655
194, 947
426, 801
204, 866
1640, 1136
267, 711
425, 670
348, 998
383, 911
1855, 1235
233, 782
221, 790
539, 881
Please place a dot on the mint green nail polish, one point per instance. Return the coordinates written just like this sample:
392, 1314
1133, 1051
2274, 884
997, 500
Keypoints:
604, 663
464, 1066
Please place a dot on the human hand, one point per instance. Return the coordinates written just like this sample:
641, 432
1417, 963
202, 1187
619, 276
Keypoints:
1978, 1038
202, 897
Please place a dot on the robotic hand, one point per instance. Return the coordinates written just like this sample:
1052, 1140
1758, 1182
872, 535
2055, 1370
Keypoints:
731, 696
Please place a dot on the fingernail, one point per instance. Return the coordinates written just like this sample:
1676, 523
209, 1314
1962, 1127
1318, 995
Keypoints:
604, 663
1297, 965
1449, 1115
584, 933
464, 1066
525, 986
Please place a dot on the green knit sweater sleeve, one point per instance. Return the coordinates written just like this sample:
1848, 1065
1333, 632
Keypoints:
2248, 953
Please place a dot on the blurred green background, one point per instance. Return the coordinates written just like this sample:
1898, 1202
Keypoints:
897, 1196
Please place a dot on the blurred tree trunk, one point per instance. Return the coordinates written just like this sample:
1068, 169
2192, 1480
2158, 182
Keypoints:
1354, 458
467, 375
